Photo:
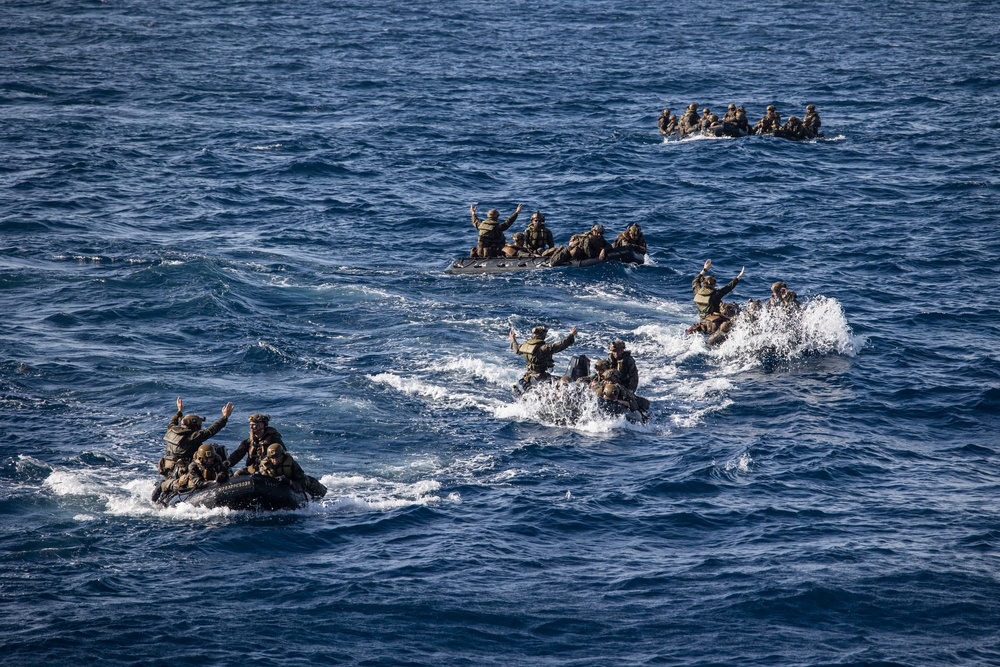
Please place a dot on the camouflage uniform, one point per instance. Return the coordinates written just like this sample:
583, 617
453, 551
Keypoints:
689, 121
592, 244
254, 448
200, 473
517, 247
770, 122
538, 354
491, 238
628, 372
741, 120
811, 121
730, 115
538, 237
667, 123
709, 303
183, 441
632, 237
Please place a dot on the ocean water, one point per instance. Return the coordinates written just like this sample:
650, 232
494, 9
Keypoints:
255, 202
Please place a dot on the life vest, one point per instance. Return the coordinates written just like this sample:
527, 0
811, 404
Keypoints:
179, 444
703, 299
536, 238
490, 235
283, 469
535, 356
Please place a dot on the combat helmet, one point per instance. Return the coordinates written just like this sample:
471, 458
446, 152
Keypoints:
274, 450
598, 228
205, 452
616, 345
810, 107
259, 417
537, 215
193, 421
539, 332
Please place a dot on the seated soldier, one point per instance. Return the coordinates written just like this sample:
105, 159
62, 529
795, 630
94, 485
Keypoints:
261, 435
795, 129
278, 463
592, 245
769, 123
730, 115
812, 122
516, 248
538, 237
206, 467
667, 123
621, 360
689, 120
741, 120
633, 238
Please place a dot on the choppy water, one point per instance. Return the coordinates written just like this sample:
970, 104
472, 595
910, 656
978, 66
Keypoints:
255, 202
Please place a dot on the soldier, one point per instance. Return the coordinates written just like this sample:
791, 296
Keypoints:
632, 238
261, 435
621, 360
278, 463
794, 129
741, 120
538, 354
538, 237
689, 121
782, 297
709, 301
491, 238
592, 245
769, 123
812, 122
667, 123
206, 467
185, 434
730, 115
706, 121
517, 248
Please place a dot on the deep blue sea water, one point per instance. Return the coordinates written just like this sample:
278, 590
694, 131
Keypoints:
255, 202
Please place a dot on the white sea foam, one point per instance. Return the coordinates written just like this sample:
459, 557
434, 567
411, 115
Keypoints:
819, 327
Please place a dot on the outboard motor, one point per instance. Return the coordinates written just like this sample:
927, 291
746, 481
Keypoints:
579, 367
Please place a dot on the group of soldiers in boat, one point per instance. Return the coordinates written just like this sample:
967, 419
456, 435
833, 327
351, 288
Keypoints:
614, 380
537, 240
191, 462
735, 124
715, 317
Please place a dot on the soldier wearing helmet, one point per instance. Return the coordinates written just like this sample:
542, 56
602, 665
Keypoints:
811, 122
593, 245
793, 129
769, 123
538, 354
621, 360
279, 463
538, 237
667, 123
491, 238
516, 247
730, 115
632, 238
254, 447
782, 297
207, 466
184, 435
708, 299
689, 121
